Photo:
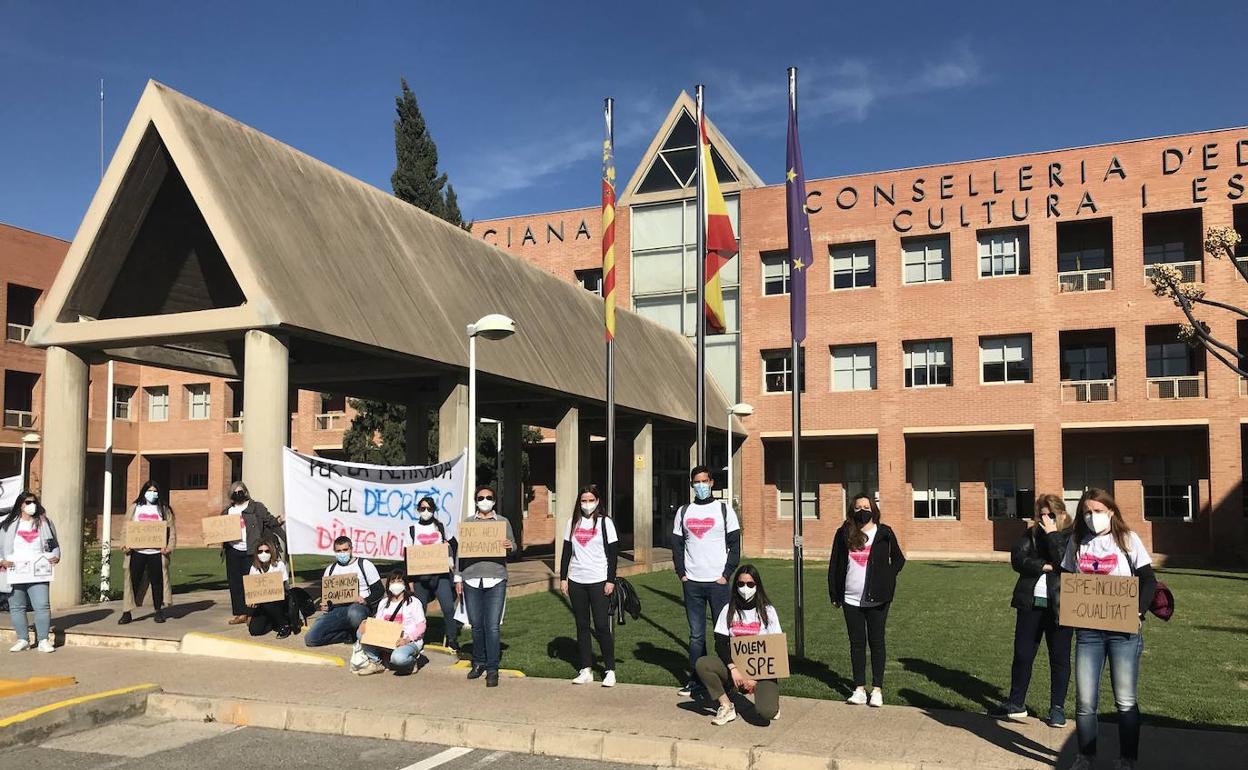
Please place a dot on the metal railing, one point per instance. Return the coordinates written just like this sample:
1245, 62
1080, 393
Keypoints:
329, 421
1089, 391
1189, 272
17, 332
1192, 386
234, 424
16, 418
1101, 279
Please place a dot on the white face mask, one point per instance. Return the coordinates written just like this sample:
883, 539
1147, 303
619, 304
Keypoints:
588, 508
485, 506
747, 592
426, 516
29, 509
1098, 522
396, 589
265, 557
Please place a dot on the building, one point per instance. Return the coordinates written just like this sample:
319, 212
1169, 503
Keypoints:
184, 431
979, 332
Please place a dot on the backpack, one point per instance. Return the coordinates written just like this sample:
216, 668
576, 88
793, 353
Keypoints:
624, 601
1162, 603
723, 513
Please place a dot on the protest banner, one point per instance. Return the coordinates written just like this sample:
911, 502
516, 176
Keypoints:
382, 633
764, 656
10, 488
265, 587
146, 534
433, 559
482, 539
372, 504
1104, 602
222, 529
340, 589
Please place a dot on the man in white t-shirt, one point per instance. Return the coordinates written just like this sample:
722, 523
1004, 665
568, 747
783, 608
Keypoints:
706, 548
338, 623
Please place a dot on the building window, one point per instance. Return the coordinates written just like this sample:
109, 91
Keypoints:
853, 266
775, 272
1166, 356
1085, 255
1003, 252
20, 311
157, 403
1083, 472
1170, 487
196, 480
591, 279
1005, 359
925, 260
935, 485
860, 476
1086, 361
810, 489
778, 370
676, 163
1175, 238
198, 402
19, 399
928, 363
122, 396
853, 367
1008, 488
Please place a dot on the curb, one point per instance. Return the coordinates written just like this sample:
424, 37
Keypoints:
211, 645
62, 638
74, 714
514, 673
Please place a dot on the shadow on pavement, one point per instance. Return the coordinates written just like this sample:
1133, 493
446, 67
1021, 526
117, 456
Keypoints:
967, 685
64, 622
993, 731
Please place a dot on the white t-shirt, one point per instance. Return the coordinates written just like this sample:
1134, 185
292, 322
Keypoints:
428, 534
589, 557
363, 569
147, 512
746, 623
274, 566
706, 540
27, 547
241, 543
1100, 555
410, 615
856, 573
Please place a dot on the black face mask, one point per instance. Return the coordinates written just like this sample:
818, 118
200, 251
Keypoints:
862, 517
239, 496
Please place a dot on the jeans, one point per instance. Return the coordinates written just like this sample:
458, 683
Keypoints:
866, 624
402, 659
1092, 647
589, 602
153, 564
485, 614
716, 678
269, 616
336, 626
426, 588
34, 596
237, 564
697, 596
1029, 627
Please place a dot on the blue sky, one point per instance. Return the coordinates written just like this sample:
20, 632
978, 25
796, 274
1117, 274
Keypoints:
512, 91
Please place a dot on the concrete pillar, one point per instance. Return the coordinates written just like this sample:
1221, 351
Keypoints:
416, 434
64, 472
511, 482
266, 428
643, 494
453, 431
567, 473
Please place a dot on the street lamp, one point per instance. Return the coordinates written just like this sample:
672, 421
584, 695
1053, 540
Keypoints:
492, 327
738, 410
29, 438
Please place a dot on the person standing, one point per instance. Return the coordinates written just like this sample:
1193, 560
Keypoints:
28, 552
483, 584
862, 578
338, 622
1037, 558
706, 548
749, 613
1103, 544
587, 577
399, 606
274, 615
255, 523
148, 567
427, 531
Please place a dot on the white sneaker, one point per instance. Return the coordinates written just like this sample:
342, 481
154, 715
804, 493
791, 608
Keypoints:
47, 646
585, 677
22, 644
877, 698
370, 668
609, 679
859, 698
724, 715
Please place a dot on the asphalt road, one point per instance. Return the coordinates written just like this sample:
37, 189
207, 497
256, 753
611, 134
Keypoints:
144, 742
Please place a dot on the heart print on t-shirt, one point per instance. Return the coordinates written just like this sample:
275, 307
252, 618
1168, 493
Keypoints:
583, 536
860, 557
699, 527
28, 535
739, 628
428, 538
1098, 565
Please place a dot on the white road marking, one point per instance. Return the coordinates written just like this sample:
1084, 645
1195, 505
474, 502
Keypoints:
490, 759
439, 759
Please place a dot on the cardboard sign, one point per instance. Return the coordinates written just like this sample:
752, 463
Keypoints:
222, 529
765, 656
265, 587
1104, 602
340, 589
146, 534
431, 559
382, 633
482, 539
38, 570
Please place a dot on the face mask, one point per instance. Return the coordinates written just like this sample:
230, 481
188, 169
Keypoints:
238, 496
862, 517
588, 508
29, 509
265, 557
343, 558
485, 506
425, 515
396, 589
1097, 522
747, 592
151, 496
702, 489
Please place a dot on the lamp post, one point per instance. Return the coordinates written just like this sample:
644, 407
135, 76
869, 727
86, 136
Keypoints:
738, 410
29, 438
492, 327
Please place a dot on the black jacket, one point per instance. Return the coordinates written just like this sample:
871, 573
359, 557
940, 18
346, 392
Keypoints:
259, 524
885, 562
1033, 550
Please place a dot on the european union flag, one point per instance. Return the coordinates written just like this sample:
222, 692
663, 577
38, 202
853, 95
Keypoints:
800, 254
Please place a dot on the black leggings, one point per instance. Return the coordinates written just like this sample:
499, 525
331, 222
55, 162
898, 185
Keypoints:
237, 564
1030, 626
269, 616
866, 624
589, 600
151, 564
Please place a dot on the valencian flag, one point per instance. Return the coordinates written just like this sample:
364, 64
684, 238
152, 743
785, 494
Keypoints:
800, 253
608, 233
721, 243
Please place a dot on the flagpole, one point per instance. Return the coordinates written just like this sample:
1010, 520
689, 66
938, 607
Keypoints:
799, 608
609, 115
700, 311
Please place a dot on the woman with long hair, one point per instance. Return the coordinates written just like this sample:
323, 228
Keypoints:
862, 578
748, 613
1037, 558
483, 584
28, 552
148, 567
401, 607
427, 531
587, 578
1103, 544
274, 615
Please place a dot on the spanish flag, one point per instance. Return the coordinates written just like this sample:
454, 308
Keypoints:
721, 243
608, 233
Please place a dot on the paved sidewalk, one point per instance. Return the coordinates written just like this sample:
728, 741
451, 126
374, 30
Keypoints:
633, 723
